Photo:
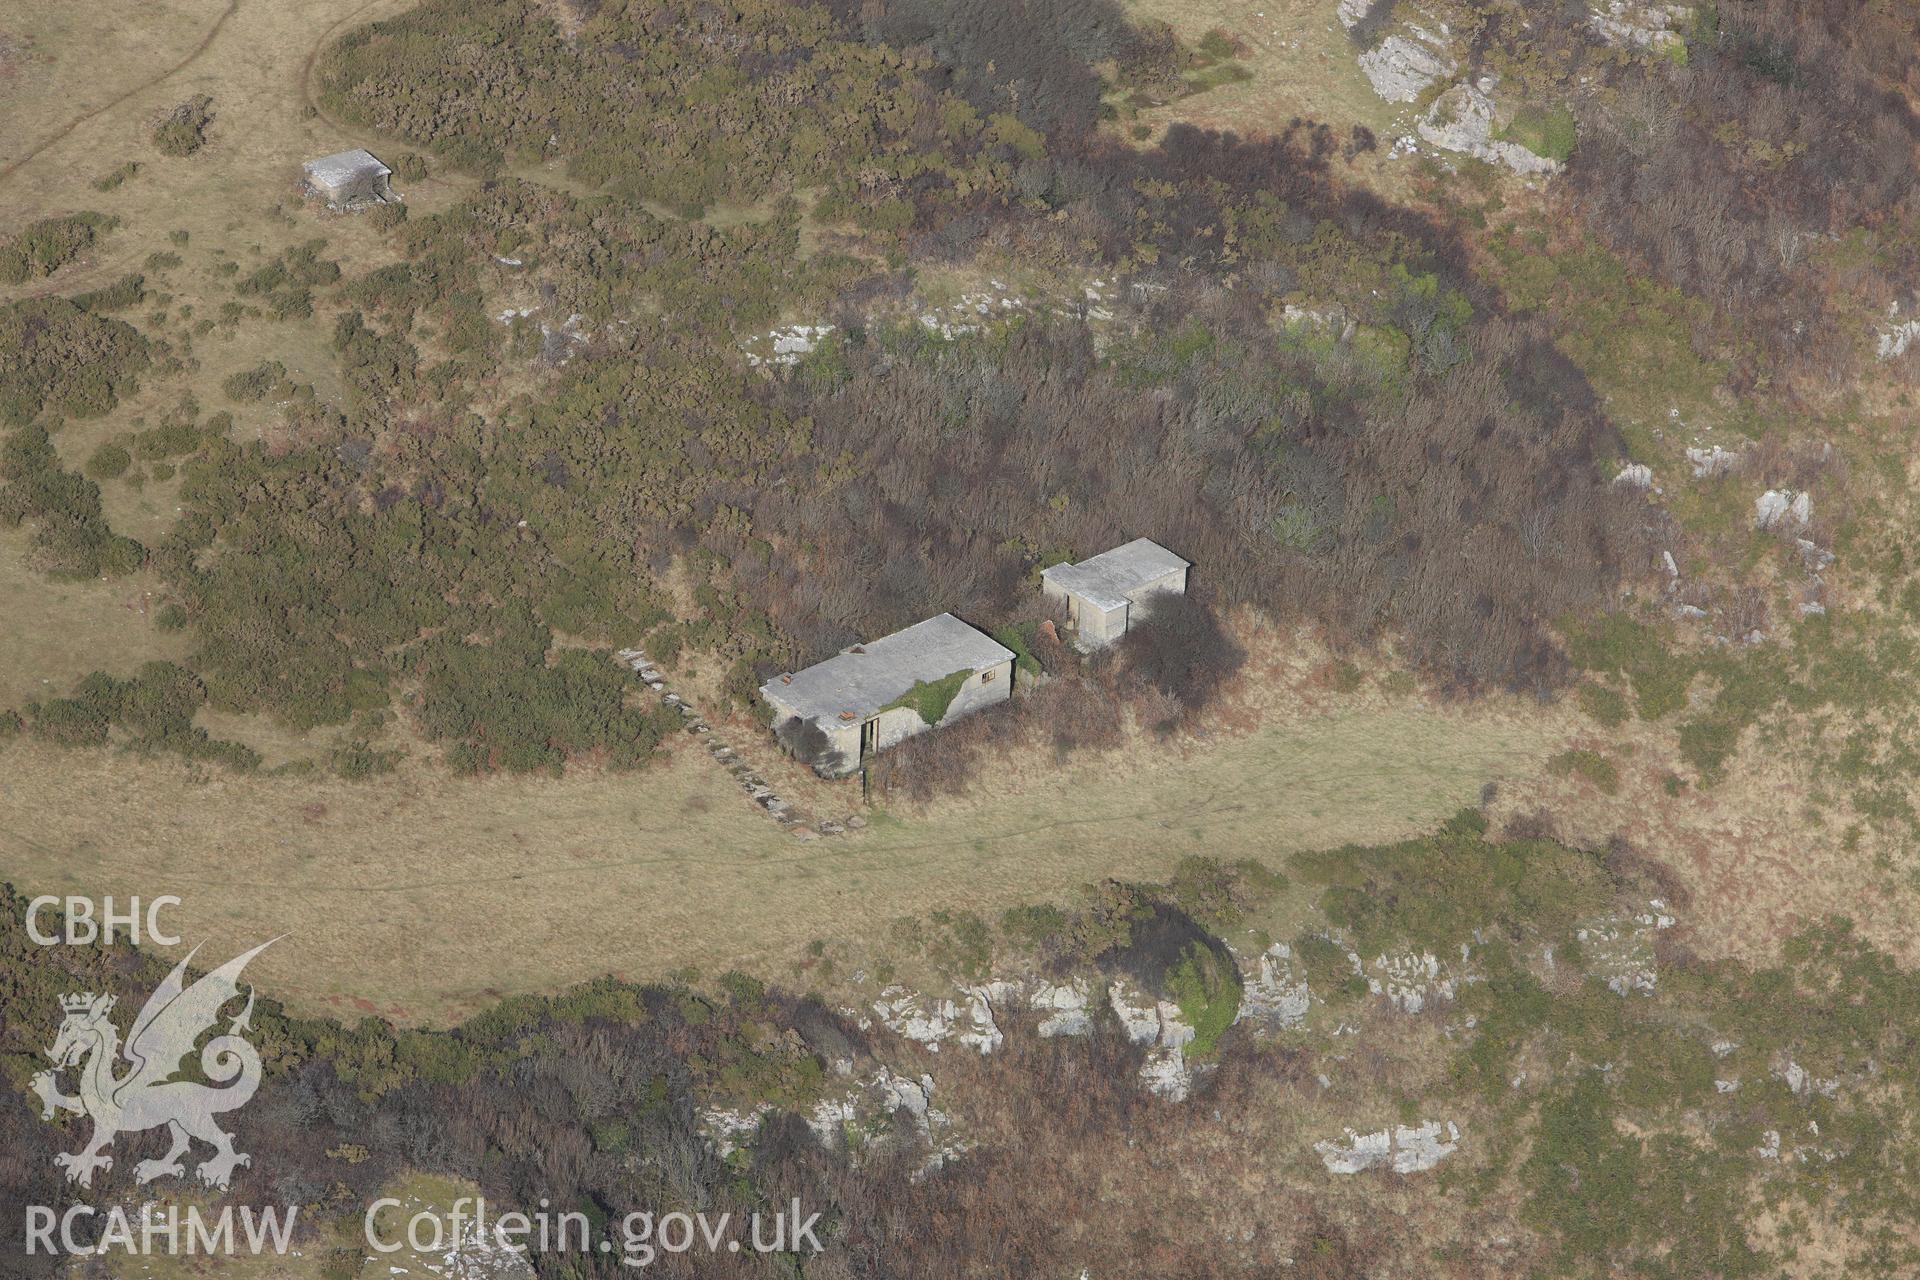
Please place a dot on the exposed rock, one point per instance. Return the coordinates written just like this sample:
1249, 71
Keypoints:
831, 1117
786, 344
1802, 1082
1626, 24
1066, 1009
1400, 68
1896, 338
1709, 463
1140, 1021
1812, 555
982, 1033
1156, 1023
933, 1022
1408, 981
1403, 1148
725, 1129
1277, 995
1619, 949
902, 1013
1294, 316
1782, 508
860, 1115
1461, 119
1635, 475
1351, 11
1165, 1073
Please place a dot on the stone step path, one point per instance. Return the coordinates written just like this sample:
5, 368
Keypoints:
752, 784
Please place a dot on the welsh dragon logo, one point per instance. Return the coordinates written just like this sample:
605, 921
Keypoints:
146, 1096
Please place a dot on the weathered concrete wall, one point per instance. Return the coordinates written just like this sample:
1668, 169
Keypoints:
367, 189
892, 725
1095, 628
982, 689
1174, 580
1100, 627
845, 739
1054, 591
842, 738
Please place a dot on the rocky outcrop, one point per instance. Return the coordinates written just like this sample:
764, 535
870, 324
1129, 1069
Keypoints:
1275, 996
1801, 1082
1403, 1148
1782, 509
1895, 338
862, 1116
932, 1022
1462, 119
1712, 462
1157, 1024
1627, 24
726, 1128
1619, 949
1351, 11
1066, 1008
1401, 68
1408, 981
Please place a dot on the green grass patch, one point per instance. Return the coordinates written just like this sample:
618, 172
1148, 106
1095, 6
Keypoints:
1433, 891
1591, 765
1019, 638
1545, 131
1206, 986
1618, 645
1608, 706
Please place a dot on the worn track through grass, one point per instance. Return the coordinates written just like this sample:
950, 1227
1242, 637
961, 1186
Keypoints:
135, 91
424, 896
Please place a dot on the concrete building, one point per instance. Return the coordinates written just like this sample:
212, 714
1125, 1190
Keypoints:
856, 696
350, 180
1100, 594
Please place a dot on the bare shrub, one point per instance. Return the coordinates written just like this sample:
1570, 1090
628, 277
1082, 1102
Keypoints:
1179, 652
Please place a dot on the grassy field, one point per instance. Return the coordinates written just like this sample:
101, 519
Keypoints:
1299, 63
423, 897
79, 99
42, 625
72, 62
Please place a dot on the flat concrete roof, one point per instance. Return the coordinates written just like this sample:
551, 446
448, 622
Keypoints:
1106, 579
867, 677
344, 166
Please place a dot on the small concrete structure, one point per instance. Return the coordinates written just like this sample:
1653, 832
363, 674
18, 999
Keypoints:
350, 180
853, 696
1100, 593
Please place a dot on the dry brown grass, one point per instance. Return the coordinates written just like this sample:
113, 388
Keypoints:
1755, 860
74, 60
1302, 66
79, 107
52, 633
424, 896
